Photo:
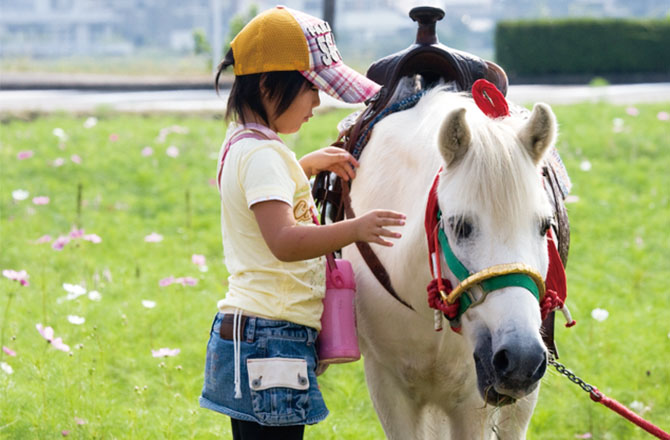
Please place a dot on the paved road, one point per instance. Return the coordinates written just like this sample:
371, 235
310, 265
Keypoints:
197, 101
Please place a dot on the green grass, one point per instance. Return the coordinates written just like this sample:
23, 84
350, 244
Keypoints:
619, 261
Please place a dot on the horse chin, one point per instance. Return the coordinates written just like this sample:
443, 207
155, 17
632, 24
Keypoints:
492, 397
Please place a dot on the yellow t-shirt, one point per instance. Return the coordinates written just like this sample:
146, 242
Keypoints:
260, 284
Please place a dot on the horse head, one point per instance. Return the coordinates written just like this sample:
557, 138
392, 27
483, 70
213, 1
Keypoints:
494, 212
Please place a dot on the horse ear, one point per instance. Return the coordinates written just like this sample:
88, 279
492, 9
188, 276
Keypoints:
539, 133
454, 138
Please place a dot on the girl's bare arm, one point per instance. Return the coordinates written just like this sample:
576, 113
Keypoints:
290, 241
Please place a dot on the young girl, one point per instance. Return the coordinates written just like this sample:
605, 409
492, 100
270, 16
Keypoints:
261, 360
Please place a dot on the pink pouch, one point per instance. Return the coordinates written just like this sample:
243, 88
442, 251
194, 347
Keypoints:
337, 342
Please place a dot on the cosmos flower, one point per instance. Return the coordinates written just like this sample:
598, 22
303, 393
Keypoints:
148, 304
41, 200
76, 320
20, 194
165, 352
48, 334
43, 239
76, 159
198, 260
147, 151
172, 151
599, 314
60, 242
90, 122
663, 116
22, 155
153, 238
20, 276
93, 238
4, 366
8, 351
94, 295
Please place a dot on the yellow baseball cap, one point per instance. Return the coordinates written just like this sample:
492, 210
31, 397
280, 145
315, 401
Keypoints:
282, 39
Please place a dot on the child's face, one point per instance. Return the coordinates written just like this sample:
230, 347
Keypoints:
298, 112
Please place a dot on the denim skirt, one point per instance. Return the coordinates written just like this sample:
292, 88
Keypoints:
277, 370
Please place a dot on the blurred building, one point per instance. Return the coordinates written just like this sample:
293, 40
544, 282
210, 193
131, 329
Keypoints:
363, 29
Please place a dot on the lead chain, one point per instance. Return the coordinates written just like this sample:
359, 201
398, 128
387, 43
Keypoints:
573, 378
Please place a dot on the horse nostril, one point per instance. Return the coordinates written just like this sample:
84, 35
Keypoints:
541, 369
501, 362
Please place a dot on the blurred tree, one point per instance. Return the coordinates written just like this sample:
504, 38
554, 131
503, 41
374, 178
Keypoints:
200, 43
237, 23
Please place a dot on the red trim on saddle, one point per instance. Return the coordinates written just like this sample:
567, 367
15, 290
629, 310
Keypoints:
489, 99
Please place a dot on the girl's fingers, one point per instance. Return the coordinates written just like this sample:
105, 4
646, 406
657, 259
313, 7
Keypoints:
386, 233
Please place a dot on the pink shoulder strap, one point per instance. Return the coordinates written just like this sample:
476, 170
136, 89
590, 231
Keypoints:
246, 131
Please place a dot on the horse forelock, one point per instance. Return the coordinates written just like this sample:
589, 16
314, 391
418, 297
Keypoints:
496, 176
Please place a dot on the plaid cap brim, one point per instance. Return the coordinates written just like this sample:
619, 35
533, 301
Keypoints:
342, 82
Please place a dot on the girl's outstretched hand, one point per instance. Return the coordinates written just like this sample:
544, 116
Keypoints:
371, 226
331, 158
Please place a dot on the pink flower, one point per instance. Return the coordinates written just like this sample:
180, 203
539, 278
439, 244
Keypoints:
166, 281
632, 111
8, 351
663, 116
59, 161
44, 239
65, 433
187, 281
75, 158
198, 260
153, 238
41, 200
165, 352
113, 137
21, 155
48, 334
93, 238
20, 276
76, 233
60, 242
147, 151
79, 421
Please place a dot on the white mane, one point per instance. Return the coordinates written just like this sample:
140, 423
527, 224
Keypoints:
493, 176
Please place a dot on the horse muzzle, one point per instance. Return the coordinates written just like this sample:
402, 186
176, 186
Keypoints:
508, 368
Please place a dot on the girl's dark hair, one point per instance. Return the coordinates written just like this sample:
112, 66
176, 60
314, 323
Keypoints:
245, 92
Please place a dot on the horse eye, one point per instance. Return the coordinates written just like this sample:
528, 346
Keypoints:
545, 225
461, 227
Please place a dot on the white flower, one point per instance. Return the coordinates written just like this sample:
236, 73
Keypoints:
94, 295
20, 194
172, 151
74, 291
153, 238
599, 314
585, 165
148, 304
617, 125
90, 122
76, 320
639, 407
6, 367
59, 133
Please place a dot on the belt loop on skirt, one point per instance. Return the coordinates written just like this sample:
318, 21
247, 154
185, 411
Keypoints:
251, 329
312, 334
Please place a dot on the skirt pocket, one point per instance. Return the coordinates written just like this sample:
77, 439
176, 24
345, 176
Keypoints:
279, 390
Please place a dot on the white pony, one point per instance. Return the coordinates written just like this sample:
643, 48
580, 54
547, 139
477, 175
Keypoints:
444, 385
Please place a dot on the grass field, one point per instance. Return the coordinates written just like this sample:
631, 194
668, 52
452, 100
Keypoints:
126, 179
